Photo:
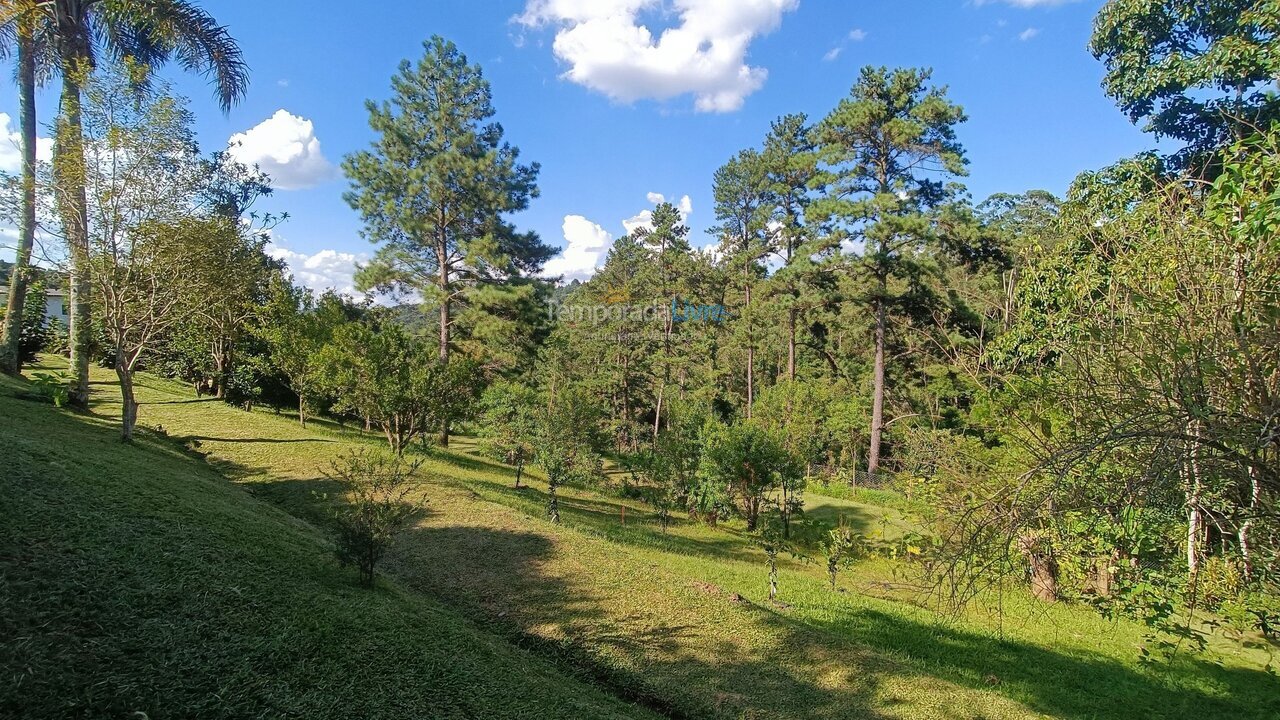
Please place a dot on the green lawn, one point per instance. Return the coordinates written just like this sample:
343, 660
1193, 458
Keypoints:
141, 579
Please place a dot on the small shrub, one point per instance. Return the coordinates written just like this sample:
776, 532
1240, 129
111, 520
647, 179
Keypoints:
373, 508
52, 387
1218, 581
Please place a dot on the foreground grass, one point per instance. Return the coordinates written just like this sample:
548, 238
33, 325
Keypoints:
137, 582
680, 619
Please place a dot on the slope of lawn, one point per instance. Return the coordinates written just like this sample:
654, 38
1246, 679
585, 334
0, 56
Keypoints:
136, 582
680, 620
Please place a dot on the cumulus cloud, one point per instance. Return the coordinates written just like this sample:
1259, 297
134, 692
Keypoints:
609, 49
1029, 33
857, 34
11, 146
644, 218
285, 147
832, 54
586, 245
324, 270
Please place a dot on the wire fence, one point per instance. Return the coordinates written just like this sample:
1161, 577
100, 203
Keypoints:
828, 475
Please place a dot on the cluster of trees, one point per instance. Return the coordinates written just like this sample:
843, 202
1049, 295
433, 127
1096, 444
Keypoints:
1081, 391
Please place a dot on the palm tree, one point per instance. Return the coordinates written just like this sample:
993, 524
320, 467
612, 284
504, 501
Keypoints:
27, 38
152, 32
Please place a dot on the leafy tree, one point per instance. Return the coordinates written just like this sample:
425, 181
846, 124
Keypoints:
841, 546
434, 188
1199, 71
888, 146
508, 424
143, 172
568, 442
670, 465
393, 380
750, 463
35, 332
296, 326
151, 32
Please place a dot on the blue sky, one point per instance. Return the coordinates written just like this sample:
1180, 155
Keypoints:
617, 112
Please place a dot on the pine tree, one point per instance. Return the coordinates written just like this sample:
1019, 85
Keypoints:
889, 145
434, 188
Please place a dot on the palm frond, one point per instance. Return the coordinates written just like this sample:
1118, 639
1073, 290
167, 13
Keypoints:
155, 31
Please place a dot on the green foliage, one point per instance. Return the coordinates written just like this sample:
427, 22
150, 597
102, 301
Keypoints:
51, 386
1198, 71
373, 505
382, 375
568, 442
750, 463
509, 424
433, 190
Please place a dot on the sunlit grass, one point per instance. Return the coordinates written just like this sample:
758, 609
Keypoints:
680, 619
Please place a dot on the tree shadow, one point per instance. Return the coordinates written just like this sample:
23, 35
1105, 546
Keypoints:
604, 518
860, 663
268, 441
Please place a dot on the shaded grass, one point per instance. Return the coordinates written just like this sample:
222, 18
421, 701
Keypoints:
135, 579
681, 620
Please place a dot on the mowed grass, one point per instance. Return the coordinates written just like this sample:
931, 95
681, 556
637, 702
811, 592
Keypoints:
136, 582
676, 620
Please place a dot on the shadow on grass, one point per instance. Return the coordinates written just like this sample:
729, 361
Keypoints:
685, 669
269, 441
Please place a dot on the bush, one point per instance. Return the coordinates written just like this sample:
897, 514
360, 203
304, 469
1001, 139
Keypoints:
1219, 580
53, 387
374, 507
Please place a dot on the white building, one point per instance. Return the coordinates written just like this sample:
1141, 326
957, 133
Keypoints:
55, 304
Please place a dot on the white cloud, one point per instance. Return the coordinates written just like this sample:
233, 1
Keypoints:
11, 146
644, 218
1029, 33
586, 245
832, 54
608, 48
857, 34
324, 270
285, 146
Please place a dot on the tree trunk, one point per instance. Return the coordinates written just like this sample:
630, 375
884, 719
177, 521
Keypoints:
877, 400
553, 504
444, 334
772, 553
519, 469
69, 172
1195, 514
10, 352
128, 403
791, 344
1042, 568
751, 354
1246, 528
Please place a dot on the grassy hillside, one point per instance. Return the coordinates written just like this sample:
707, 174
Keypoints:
679, 619
138, 580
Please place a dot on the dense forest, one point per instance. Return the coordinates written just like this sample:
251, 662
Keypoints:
1079, 395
